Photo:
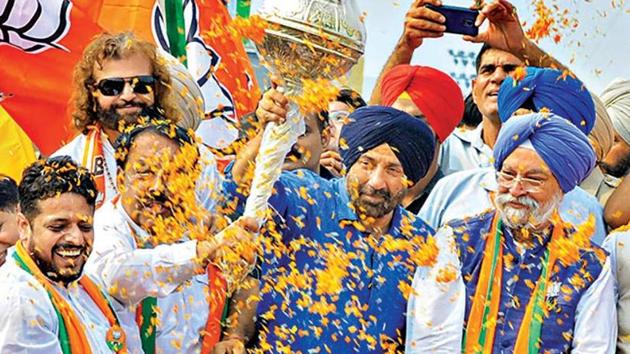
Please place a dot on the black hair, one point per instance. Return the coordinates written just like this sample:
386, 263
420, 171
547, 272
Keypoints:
8, 194
472, 117
322, 120
482, 51
351, 98
48, 178
163, 128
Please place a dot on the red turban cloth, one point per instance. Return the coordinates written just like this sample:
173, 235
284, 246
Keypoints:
435, 93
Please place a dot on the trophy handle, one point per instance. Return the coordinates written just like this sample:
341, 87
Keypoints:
276, 143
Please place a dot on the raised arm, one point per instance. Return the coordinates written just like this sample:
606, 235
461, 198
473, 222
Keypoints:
420, 23
130, 274
506, 33
272, 107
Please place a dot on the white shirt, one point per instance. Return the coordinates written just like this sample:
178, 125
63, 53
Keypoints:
435, 315
435, 310
465, 150
208, 185
29, 324
168, 272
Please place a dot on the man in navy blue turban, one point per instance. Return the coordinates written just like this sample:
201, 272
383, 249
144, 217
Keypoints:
545, 89
411, 140
335, 270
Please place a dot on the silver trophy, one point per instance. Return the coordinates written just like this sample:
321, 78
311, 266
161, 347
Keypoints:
306, 39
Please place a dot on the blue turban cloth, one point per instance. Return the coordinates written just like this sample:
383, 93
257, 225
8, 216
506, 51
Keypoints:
409, 137
546, 88
564, 148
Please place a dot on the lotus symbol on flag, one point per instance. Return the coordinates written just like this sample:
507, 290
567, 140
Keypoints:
201, 59
34, 26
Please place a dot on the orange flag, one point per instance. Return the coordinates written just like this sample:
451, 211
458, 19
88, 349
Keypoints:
40, 42
43, 41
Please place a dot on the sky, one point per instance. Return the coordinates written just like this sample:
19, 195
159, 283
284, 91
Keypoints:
597, 51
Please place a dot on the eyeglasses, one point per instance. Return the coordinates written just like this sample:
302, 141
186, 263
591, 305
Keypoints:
338, 116
114, 86
506, 180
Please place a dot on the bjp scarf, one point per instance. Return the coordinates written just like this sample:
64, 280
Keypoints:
480, 328
72, 332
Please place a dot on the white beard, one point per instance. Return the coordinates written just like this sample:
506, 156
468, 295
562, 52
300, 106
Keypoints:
530, 217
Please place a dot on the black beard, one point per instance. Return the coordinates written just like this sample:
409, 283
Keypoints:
619, 170
377, 210
110, 119
50, 270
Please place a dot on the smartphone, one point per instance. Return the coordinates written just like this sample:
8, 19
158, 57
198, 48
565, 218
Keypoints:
459, 20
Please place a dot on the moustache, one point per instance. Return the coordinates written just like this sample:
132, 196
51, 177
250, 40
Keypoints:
367, 190
503, 199
68, 247
129, 104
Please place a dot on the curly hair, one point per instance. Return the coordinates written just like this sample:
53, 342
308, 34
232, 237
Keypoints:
48, 178
106, 46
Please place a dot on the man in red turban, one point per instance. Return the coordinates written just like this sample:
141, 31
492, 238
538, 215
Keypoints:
424, 92
432, 96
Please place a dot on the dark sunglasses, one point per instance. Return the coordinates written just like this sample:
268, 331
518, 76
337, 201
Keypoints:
115, 86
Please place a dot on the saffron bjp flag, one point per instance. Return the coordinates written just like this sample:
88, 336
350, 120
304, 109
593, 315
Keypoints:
41, 41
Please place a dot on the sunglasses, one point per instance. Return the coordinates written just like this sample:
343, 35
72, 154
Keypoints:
115, 86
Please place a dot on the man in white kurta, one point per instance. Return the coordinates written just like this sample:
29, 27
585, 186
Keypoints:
44, 273
29, 324
134, 261
168, 272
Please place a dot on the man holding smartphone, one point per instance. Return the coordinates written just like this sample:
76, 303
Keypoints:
505, 48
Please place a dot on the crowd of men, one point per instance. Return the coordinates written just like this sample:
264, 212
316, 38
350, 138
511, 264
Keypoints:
421, 222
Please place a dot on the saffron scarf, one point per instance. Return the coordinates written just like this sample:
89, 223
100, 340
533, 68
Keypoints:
480, 328
94, 161
72, 332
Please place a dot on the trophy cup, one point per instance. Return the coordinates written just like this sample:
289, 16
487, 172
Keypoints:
305, 39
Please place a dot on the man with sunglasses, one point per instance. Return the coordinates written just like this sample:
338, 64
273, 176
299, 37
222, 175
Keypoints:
119, 79
533, 283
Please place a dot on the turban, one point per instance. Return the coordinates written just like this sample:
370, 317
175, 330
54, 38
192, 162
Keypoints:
435, 93
547, 88
564, 148
186, 93
616, 98
410, 138
603, 134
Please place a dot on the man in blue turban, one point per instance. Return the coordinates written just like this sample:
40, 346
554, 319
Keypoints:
466, 193
543, 89
340, 253
519, 261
